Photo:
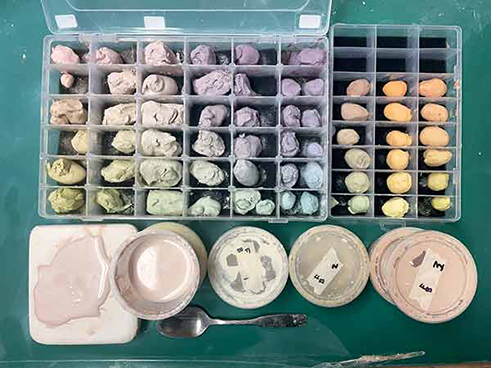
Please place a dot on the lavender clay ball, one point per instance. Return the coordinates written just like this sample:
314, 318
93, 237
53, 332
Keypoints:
314, 87
291, 58
246, 55
159, 53
312, 149
213, 116
203, 55
289, 175
246, 173
289, 144
290, 88
311, 119
216, 83
291, 116
313, 175
247, 117
107, 56
312, 56
242, 86
246, 146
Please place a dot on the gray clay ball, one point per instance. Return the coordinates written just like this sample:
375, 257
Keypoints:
289, 175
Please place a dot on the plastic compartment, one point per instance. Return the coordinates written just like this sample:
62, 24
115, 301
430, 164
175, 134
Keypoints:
269, 103
381, 53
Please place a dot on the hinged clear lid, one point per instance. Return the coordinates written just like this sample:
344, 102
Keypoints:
306, 17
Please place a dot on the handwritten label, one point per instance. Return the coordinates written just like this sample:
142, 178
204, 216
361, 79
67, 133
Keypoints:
251, 269
325, 271
426, 282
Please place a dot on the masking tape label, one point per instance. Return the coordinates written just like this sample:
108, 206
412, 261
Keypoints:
426, 282
325, 271
250, 268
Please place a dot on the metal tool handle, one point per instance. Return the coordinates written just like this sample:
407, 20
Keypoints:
272, 320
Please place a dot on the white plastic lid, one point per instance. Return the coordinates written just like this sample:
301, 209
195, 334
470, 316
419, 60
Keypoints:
433, 277
309, 17
248, 267
329, 266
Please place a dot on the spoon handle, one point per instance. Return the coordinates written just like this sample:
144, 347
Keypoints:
272, 320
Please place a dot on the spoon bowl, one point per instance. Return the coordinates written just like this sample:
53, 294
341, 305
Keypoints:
194, 321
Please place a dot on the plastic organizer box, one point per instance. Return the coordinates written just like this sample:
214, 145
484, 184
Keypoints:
381, 53
265, 79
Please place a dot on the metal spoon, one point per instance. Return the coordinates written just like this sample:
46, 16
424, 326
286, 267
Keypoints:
194, 321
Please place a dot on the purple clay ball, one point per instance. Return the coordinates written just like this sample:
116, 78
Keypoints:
246, 146
290, 88
312, 149
312, 56
203, 55
216, 83
291, 116
243, 86
246, 55
314, 87
311, 119
289, 144
247, 117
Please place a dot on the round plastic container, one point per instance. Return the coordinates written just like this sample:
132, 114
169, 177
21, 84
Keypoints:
248, 267
379, 250
192, 238
329, 266
433, 277
155, 274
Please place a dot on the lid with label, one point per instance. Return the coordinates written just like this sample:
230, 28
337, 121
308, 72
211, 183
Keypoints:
329, 266
433, 277
379, 251
248, 267
306, 17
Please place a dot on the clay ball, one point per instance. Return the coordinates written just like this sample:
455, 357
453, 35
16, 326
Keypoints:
397, 112
399, 183
434, 136
353, 112
441, 203
434, 112
357, 182
435, 158
395, 207
357, 88
398, 139
397, 159
438, 181
358, 204
347, 136
357, 158
432, 88
395, 89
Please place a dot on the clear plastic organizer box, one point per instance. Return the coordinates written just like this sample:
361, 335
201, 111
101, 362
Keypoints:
265, 79
381, 53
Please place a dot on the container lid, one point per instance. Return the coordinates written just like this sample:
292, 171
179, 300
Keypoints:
309, 17
329, 266
379, 251
248, 267
191, 237
433, 277
140, 274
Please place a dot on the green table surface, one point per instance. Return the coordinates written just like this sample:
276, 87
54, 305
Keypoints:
369, 325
